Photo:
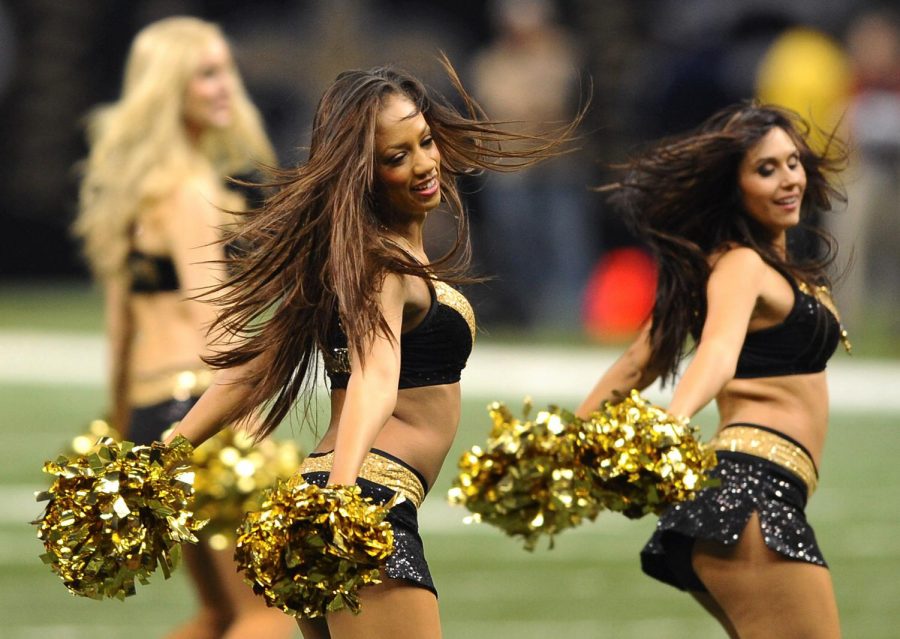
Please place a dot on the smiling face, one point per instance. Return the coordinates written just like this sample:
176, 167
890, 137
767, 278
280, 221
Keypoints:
407, 160
208, 96
772, 182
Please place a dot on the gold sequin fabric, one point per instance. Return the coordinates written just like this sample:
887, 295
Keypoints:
822, 294
751, 440
449, 296
747, 484
179, 385
375, 468
384, 483
336, 360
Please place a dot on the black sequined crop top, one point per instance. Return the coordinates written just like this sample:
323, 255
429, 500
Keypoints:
431, 354
802, 343
151, 273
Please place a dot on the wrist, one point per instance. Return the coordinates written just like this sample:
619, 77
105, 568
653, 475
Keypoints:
679, 414
340, 479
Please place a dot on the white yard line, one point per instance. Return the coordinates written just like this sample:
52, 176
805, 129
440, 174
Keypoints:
493, 370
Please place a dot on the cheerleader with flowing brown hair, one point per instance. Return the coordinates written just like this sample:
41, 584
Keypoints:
338, 273
720, 207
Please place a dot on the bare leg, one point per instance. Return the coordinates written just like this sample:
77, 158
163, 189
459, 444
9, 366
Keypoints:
251, 618
713, 608
390, 610
760, 591
214, 615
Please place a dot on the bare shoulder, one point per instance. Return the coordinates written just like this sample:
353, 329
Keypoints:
739, 270
196, 191
394, 288
738, 259
409, 292
193, 206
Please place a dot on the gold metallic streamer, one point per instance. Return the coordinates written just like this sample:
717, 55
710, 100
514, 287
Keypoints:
309, 550
232, 473
543, 476
528, 480
88, 442
116, 514
644, 459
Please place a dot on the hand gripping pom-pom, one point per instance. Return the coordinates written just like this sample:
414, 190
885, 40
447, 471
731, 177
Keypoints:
231, 472
544, 476
115, 514
309, 550
642, 458
528, 480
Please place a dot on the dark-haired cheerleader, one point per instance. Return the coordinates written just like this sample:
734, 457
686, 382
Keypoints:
716, 206
338, 270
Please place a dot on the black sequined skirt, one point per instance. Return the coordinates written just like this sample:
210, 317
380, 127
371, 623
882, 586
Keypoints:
381, 477
148, 423
748, 484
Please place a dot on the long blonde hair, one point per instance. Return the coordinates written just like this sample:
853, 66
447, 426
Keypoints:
140, 151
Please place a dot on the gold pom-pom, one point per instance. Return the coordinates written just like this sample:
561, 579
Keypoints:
232, 472
116, 514
544, 476
528, 480
644, 459
309, 550
89, 441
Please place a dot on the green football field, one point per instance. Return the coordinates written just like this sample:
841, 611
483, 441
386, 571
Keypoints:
589, 585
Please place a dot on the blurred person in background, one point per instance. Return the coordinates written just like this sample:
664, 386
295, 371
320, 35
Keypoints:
341, 273
534, 234
716, 205
152, 202
872, 124
708, 66
807, 71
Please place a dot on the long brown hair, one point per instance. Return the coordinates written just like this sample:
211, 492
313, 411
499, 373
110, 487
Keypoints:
317, 242
683, 198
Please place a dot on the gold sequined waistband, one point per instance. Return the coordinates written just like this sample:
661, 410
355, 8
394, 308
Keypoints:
770, 446
180, 385
375, 468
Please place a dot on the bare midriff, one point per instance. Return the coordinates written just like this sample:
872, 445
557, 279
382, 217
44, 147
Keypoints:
420, 431
165, 341
796, 405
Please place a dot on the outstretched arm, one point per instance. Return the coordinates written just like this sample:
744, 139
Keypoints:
194, 236
732, 292
628, 372
372, 390
228, 391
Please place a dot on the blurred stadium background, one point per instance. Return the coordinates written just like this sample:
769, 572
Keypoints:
653, 67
